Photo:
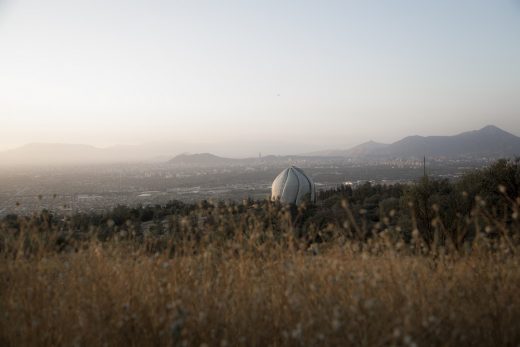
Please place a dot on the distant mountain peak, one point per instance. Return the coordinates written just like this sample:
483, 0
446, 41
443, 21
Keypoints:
491, 129
489, 142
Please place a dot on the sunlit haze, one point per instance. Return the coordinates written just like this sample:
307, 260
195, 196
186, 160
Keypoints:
316, 74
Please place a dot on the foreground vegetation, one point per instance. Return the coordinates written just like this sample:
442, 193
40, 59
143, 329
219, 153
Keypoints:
436, 265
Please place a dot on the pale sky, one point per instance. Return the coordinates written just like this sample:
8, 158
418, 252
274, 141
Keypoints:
327, 74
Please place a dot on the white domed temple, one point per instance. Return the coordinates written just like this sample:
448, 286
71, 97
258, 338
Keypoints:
293, 186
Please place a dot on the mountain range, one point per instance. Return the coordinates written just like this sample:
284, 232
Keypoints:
488, 142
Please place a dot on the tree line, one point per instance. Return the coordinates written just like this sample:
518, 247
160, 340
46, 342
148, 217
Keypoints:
435, 210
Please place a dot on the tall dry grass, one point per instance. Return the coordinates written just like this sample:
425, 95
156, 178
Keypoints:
255, 287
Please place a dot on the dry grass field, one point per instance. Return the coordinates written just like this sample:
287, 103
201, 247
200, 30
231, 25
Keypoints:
257, 288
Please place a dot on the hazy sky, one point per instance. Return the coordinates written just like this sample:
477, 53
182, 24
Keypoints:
324, 73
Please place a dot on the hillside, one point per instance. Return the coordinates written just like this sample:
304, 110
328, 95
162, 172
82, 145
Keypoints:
490, 142
211, 160
201, 159
358, 151
360, 268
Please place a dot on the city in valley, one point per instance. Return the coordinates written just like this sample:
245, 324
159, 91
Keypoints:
95, 188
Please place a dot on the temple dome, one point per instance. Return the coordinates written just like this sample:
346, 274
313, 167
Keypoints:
293, 186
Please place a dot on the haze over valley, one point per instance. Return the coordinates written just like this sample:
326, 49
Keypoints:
489, 142
80, 178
